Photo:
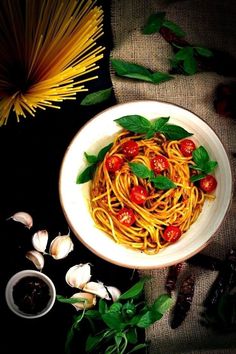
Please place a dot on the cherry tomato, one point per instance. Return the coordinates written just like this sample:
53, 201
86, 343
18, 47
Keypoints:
126, 216
113, 163
159, 163
172, 233
208, 184
187, 147
138, 195
130, 149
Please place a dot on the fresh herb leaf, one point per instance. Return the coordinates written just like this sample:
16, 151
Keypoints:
200, 156
96, 97
146, 320
135, 290
138, 72
159, 123
203, 164
140, 170
154, 23
176, 29
87, 174
162, 304
113, 320
204, 52
162, 182
134, 123
138, 347
65, 300
174, 132
196, 178
91, 158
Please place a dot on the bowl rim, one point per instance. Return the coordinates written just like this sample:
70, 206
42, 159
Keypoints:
122, 263
15, 278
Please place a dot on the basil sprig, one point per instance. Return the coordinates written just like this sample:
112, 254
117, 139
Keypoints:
138, 72
203, 164
160, 182
93, 160
140, 125
157, 20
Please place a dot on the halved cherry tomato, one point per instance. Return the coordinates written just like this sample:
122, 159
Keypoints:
138, 195
172, 233
113, 163
187, 146
130, 149
126, 216
159, 163
208, 184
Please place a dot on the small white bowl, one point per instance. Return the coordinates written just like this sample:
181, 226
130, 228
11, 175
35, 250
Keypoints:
99, 132
15, 279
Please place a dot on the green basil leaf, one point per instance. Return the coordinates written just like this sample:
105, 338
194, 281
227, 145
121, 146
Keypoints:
204, 52
102, 306
150, 133
174, 132
209, 166
159, 123
138, 72
159, 77
135, 290
154, 23
200, 156
138, 347
93, 314
162, 304
96, 97
115, 307
132, 335
190, 63
174, 28
113, 320
134, 123
103, 151
196, 178
91, 158
181, 54
162, 182
65, 300
93, 341
86, 175
140, 170
146, 320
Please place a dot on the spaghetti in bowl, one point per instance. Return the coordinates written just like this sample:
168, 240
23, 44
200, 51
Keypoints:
168, 198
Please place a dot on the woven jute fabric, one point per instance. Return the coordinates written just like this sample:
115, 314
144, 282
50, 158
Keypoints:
207, 23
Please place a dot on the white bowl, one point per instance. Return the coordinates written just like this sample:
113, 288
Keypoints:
97, 133
15, 279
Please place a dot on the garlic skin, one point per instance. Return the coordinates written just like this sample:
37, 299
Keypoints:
97, 288
114, 292
24, 218
37, 258
40, 240
90, 301
78, 275
61, 246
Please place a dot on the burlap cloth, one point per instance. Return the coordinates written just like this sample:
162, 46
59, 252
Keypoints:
211, 24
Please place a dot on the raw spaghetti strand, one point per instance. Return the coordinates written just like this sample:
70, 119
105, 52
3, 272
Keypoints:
110, 192
46, 46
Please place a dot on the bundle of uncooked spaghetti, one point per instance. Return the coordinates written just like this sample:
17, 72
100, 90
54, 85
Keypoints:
45, 47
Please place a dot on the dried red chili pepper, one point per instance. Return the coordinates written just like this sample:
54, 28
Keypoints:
183, 302
225, 281
172, 276
205, 261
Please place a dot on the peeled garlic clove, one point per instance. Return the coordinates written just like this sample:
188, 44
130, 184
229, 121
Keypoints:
98, 289
90, 301
114, 292
24, 218
37, 258
40, 240
78, 275
61, 246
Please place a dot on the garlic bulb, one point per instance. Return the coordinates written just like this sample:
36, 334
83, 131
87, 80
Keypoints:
78, 275
37, 258
114, 292
61, 246
89, 303
24, 218
98, 289
40, 240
